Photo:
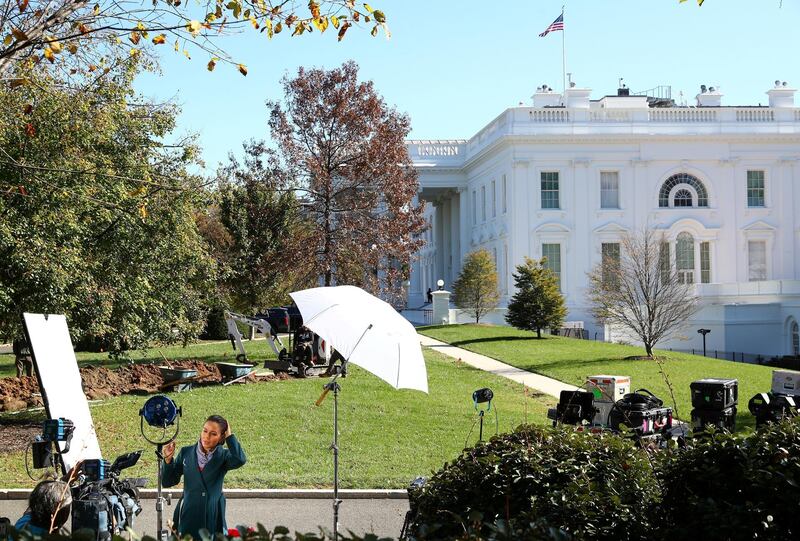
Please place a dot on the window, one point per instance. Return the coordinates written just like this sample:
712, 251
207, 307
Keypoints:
705, 263
683, 198
505, 195
610, 260
550, 190
795, 339
689, 180
609, 190
483, 203
494, 199
664, 264
755, 188
684, 258
474, 208
553, 254
756, 260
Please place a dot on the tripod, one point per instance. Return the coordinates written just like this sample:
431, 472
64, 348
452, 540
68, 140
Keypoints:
332, 385
163, 534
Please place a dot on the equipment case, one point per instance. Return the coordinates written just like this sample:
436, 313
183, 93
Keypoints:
722, 419
715, 394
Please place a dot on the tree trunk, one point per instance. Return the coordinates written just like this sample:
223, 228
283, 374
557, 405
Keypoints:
538, 332
648, 349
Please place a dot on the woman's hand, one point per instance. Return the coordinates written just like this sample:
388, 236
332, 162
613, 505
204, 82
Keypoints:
227, 432
168, 451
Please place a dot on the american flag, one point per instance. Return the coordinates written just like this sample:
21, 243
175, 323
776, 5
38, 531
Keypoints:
558, 24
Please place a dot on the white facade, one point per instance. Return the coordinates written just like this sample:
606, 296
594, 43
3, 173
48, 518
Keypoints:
722, 183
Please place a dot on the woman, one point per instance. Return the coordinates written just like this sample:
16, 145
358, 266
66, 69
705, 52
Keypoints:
203, 466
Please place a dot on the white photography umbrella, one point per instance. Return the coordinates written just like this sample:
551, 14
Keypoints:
390, 349
368, 332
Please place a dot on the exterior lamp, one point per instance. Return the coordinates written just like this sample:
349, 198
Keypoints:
704, 332
440, 284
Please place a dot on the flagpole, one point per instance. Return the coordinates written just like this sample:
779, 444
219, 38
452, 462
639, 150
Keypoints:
563, 57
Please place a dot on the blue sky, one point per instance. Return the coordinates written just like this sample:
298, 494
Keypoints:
455, 65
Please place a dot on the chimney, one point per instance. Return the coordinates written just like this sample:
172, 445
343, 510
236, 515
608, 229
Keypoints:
781, 96
578, 98
545, 97
709, 97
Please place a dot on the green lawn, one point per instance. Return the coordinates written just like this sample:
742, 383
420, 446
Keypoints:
208, 351
571, 361
387, 437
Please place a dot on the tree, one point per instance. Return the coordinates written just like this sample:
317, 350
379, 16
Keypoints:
98, 214
475, 290
641, 290
79, 37
264, 257
538, 303
343, 150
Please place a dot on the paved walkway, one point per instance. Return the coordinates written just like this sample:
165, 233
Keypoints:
546, 385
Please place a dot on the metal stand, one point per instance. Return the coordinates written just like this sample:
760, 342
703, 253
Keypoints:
335, 446
163, 535
480, 434
333, 386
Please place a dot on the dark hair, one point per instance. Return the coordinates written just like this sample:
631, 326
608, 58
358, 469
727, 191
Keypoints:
221, 421
47, 499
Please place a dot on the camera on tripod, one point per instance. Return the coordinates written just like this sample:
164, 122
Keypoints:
104, 503
101, 501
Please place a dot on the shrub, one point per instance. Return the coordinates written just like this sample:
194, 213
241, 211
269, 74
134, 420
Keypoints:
589, 486
216, 327
726, 487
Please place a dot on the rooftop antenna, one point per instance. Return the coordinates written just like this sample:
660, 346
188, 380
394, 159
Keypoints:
569, 79
620, 82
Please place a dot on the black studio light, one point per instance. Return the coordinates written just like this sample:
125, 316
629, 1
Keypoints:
160, 411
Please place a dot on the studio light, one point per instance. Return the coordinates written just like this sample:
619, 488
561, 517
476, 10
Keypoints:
160, 411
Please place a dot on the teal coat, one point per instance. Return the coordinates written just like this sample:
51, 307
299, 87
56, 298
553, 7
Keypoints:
202, 504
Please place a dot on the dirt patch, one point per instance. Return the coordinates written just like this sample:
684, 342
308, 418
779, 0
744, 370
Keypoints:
17, 436
100, 382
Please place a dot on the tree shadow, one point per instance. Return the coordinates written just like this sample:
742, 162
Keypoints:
496, 339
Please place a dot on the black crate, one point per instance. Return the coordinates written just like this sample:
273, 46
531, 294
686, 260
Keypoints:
643, 422
574, 407
722, 419
715, 394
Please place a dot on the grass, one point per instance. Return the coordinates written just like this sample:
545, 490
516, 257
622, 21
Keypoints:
571, 361
208, 351
387, 437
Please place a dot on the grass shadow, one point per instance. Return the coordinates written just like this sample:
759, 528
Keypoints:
496, 339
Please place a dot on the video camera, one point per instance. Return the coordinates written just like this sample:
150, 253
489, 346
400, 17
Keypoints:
104, 503
101, 501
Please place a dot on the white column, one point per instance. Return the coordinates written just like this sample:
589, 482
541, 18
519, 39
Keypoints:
438, 230
522, 212
455, 236
464, 224
786, 233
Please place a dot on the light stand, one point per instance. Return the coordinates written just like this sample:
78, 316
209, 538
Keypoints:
333, 386
482, 396
160, 412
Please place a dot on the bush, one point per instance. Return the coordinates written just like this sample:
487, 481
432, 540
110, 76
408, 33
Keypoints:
589, 486
726, 487
216, 327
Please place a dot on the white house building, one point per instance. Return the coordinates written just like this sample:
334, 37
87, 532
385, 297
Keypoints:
567, 178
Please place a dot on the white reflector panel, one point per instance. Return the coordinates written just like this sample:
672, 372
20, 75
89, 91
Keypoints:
60, 382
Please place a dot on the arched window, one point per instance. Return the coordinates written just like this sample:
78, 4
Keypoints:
683, 198
684, 258
682, 178
795, 339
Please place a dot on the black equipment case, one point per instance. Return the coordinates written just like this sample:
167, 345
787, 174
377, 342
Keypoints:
723, 419
642, 413
715, 394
